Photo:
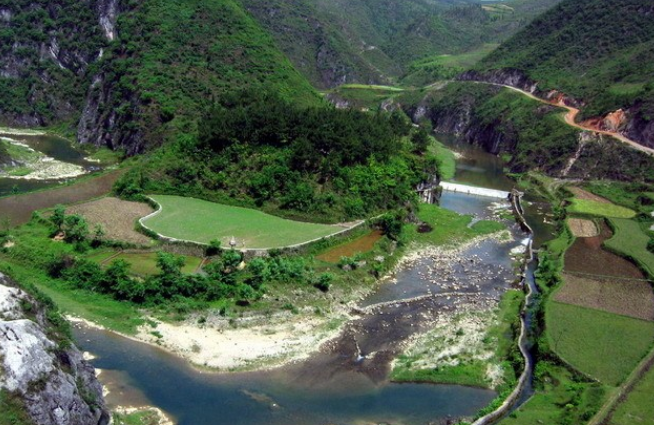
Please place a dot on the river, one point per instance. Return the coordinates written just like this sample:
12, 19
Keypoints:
346, 382
53, 147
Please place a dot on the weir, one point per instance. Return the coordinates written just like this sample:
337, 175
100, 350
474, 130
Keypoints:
473, 190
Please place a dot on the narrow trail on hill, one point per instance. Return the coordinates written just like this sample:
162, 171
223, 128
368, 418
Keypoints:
572, 115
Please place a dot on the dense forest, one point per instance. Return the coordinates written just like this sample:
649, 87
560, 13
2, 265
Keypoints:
255, 149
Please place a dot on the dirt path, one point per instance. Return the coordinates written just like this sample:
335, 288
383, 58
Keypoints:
570, 119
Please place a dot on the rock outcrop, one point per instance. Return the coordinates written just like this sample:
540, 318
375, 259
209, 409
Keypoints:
41, 367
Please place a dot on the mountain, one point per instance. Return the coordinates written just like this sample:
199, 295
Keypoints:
133, 74
597, 52
373, 42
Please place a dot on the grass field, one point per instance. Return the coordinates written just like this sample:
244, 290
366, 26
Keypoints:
602, 345
589, 207
146, 264
630, 240
449, 228
202, 221
638, 407
446, 160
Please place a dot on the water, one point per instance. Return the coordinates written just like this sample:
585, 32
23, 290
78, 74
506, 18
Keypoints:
344, 384
52, 146
148, 375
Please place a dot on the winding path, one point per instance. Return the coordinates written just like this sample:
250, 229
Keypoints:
570, 119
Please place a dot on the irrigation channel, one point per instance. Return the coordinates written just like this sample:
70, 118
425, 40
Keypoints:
346, 380
51, 146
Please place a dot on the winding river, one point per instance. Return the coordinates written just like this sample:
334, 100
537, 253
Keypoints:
346, 381
50, 145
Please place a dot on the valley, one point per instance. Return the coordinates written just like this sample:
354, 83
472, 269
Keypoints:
326, 212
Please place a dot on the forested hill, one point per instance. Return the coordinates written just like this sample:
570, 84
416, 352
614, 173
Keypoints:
132, 73
598, 51
374, 41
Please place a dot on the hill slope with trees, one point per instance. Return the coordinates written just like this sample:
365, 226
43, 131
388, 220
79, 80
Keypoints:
599, 52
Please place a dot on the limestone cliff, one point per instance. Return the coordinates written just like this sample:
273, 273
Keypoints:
40, 367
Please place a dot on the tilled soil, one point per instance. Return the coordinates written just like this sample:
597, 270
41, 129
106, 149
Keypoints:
117, 218
625, 297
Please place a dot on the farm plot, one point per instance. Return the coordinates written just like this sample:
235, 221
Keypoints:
144, 263
601, 209
631, 298
117, 218
602, 345
202, 221
581, 228
637, 408
630, 241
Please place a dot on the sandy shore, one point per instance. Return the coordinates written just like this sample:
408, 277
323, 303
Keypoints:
21, 132
260, 342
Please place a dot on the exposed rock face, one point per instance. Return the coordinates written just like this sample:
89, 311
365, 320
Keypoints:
505, 77
632, 122
58, 386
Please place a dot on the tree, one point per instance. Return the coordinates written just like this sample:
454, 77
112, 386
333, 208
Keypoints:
98, 235
58, 216
75, 228
213, 248
420, 140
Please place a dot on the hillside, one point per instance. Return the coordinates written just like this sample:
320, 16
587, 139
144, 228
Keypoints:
599, 52
365, 41
135, 74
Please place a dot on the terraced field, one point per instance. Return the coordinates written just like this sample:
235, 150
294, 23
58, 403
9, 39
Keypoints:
202, 221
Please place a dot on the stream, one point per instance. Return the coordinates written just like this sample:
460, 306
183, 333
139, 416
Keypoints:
346, 380
53, 147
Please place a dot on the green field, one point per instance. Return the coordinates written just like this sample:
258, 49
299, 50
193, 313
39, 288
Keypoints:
446, 160
602, 345
630, 241
638, 407
202, 221
145, 264
449, 228
587, 207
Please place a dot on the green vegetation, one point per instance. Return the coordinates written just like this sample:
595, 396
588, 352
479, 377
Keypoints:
637, 408
561, 398
630, 241
140, 417
636, 196
448, 227
500, 339
145, 264
444, 67
202, 221
600, 51
318, 164
446, 160
602, 345
533, 134
13, 410
602, 209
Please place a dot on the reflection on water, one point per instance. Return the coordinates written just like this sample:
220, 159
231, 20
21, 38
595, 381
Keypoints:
52, 146
275, 397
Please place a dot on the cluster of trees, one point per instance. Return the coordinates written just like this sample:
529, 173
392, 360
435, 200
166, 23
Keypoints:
255, 149
75, 229
225, 277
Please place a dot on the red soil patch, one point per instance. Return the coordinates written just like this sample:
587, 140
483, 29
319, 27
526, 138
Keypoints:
357, 246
